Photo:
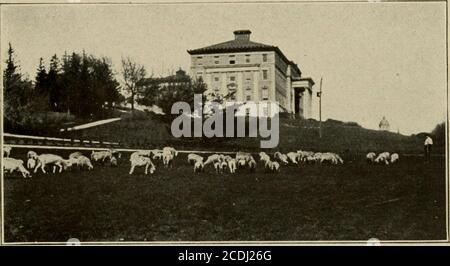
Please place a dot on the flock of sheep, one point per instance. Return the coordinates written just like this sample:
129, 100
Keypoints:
384, 157
144, 158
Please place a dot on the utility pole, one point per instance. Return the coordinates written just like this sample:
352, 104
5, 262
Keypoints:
319, 94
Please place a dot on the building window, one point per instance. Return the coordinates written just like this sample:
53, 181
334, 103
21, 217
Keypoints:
216, 78
247, 112
264, 57
248, 98
265, 94
233, 98
199, 57
247, 58
266, 111
249, 88
232, 55
232, 78
232, 62
216, 62
265, 76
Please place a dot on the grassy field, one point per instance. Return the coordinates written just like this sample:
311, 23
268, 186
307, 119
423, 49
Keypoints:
354, 201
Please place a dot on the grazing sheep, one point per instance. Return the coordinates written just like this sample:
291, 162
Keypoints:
168, 159
243, 155
329, 157
75, 155
31, 163
232, 165
101, 155
395, 157
198, 166
281, 157
370, 157
213, 159
218, 166
264, 157
170, 150
55, 160
158, 155
241, 163
383, 157
303, 155
6, 150
10, 165
252, 164
192, 158
293, 157
138, 160
273, 166
32, 155
81, 162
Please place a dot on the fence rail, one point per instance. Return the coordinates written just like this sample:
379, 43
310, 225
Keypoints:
14, 139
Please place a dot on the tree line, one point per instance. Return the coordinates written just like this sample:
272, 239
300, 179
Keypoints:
79, 86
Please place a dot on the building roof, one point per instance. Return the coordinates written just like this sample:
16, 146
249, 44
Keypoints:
179, 77
242, 44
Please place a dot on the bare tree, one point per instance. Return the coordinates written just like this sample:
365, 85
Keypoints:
134, 77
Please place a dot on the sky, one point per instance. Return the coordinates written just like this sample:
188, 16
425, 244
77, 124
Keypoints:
376, 59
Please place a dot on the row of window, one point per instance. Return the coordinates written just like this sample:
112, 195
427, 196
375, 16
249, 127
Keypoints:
265, 76
231, 59
264, 94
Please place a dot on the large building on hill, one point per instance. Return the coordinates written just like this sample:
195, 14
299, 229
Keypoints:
255, 71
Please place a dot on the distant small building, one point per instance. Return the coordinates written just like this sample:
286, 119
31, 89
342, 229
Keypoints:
179, 78
384, 124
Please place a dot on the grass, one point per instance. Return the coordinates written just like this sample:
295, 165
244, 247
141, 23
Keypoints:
354, 201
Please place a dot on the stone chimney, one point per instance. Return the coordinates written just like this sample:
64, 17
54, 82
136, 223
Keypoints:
242, 35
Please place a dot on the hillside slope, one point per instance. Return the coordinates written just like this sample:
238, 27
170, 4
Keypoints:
141, 130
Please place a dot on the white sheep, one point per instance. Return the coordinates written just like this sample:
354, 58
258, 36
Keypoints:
10, 165
273, 166
294, 157
198, 166
142, 161
303, 155
232, 165
263, 156
281, 157
55, 160
170, 150
31, 163
101, 155
383, 157
158, 155
75, 155
32, 155
243, 156
252, 164
370, 157
6, 150
213, 159
395, 157
168, 159
82, 161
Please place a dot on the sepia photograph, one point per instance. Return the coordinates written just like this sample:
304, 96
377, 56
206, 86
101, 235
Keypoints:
240, 122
